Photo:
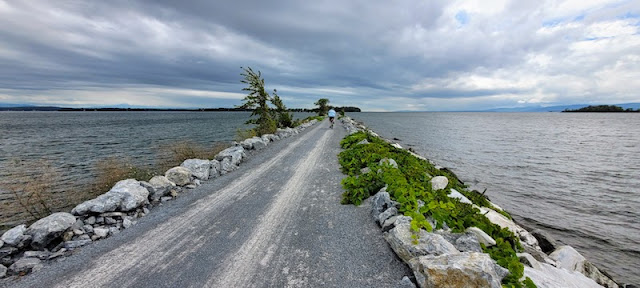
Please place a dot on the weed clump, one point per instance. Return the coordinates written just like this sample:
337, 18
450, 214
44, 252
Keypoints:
409, 185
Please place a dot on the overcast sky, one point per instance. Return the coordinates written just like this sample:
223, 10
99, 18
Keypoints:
378, 55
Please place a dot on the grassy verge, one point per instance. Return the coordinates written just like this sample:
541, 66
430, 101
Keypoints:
409, 185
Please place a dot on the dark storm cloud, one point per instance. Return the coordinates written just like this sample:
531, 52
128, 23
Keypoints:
388, 55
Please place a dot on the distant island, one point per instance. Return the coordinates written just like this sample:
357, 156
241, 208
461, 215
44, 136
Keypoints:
65, 109
603, 108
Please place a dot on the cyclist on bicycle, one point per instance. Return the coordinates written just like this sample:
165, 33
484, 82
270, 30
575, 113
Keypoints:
332, 116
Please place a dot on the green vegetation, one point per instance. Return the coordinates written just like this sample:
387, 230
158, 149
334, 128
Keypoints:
322, 106
258, 99
602, 108
409, 185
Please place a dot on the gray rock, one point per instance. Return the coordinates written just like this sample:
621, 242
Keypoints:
113, 214
464, 242
255, 143
547, 276
363, 142
235, 154
400, 240
3, 271
226, 166
61, 252
145, 210
161, 186
392, 211
90, 221
439, 183
100, 220
7, 250
88, 228
568, 258
67, 236
190, 186
42, 255
165, 199
84, 237
467, 269
101, 232
78, 231
1, 243
14, 236
126, 223
380, 202
388, 161
215, 169
455, 194
200, 168
406, 283
496, 218
483, 237
126, 195
546, 242
394, 221
49, 228
24, 265
76, 244
110, 221
528, 260
181, 176
114, 230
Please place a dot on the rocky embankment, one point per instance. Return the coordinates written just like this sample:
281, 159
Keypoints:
442, 258
26, 249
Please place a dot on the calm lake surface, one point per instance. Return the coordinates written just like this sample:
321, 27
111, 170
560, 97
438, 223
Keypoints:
574, 175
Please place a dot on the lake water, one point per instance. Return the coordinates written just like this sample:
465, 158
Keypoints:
575, 175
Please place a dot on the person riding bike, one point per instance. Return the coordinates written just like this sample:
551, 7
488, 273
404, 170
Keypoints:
332, 117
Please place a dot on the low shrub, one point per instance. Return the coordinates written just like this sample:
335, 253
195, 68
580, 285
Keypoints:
409, 185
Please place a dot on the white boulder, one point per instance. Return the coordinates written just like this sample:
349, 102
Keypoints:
401, 241
181, 176
439, 183
463, 199
466, 269
14, 236
49, 228
126, 195
200, 168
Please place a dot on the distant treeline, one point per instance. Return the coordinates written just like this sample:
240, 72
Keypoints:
63, 109
602, 108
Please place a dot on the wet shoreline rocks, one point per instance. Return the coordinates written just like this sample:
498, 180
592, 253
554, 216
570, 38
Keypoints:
444, 259
25, 249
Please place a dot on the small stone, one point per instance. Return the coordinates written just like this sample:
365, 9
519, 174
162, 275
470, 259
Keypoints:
1, 243
78, 232
8, 250
95, 238
60, 252
114, 230
406, 283
90, 221
42, 255
100, 220
392, 211
113, 214
190, 186
88, 228
439, 183
165, 199
76, 244
78, 224
145, 210
3, 271
101, 232
67, 236
388, 161
173, 193
84, 237
126, 223
109, 221
196, 182
24, 265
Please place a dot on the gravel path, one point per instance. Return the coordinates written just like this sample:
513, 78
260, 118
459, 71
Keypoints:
277, 221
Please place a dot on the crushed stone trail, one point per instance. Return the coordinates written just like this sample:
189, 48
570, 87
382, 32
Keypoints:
277, 221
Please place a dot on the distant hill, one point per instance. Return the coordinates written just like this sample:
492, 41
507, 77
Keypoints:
559, 108
603, 108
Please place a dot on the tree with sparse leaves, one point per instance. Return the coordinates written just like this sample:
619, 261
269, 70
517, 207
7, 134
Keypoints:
322, 106
268, 119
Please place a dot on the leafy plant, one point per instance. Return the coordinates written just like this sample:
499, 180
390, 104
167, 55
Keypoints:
409, 185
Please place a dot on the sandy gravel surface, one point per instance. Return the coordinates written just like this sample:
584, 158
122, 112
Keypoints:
277, 221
